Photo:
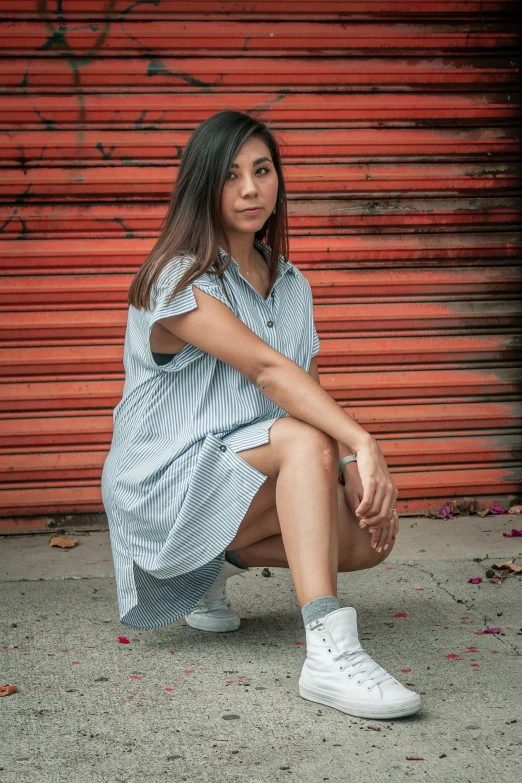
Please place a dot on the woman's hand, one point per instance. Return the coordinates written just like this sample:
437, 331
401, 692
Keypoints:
370, 493
353, 493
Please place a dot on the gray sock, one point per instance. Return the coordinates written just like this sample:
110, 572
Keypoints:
316, 609
232, 556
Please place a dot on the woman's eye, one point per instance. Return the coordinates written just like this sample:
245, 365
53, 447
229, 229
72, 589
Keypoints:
263, 168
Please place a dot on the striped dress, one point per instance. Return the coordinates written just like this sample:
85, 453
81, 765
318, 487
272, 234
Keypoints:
174, 488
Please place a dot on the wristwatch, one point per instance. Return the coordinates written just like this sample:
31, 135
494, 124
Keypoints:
344, 461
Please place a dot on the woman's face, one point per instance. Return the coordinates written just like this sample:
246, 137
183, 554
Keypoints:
251, 181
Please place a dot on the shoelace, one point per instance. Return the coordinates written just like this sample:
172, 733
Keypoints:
362, 663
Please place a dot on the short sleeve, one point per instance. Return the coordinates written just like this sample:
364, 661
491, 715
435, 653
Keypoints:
315, 342
316, 345
163, 306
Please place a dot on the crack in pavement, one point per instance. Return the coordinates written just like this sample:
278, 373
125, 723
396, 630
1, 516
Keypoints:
459, 601
439, 584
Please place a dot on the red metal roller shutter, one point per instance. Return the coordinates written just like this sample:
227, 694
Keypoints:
399, 124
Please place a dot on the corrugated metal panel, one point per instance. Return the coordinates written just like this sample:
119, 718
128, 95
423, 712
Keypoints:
399, 125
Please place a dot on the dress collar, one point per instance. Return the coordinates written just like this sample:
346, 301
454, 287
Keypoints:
282, 267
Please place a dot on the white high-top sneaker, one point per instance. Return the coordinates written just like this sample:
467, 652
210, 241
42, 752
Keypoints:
339, 673
213, 612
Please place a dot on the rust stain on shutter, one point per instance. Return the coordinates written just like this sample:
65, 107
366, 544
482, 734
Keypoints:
400, 130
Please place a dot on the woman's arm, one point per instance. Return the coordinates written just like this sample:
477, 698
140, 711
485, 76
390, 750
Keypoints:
313, 370
303, 397
381, 536
214, 328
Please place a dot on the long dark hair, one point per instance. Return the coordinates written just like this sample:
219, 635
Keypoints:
193, 223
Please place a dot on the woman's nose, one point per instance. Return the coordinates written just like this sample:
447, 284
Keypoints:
248, 186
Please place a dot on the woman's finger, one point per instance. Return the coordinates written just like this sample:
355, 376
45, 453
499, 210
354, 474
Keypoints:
382, 538
385, 496
385, 512
372, 522
389, 537
376, 507
377, 536
369, 487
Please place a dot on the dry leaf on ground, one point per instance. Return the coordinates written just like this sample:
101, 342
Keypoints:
64, 543
6, 690
509, 564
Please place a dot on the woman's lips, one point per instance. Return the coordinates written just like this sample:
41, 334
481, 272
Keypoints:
251, 211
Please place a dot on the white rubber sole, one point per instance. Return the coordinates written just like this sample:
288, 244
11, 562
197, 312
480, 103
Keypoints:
205, 622
377, 710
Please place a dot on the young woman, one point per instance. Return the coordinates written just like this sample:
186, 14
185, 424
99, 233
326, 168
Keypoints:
225, 448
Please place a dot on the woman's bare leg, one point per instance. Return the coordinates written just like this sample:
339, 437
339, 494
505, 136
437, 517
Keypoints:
355, 551
307, 509
301, 462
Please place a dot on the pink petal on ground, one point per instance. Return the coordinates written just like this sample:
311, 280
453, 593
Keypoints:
188, 671
242, 676
419, 588
130, 697
134, 677
475, 664
123, 640
514, 533
495, 652
496, 508
454, 656
472, 649
4, 647
390, 568
299, 644
400, 614
169, 689
405, 671
75, 661
475, 580
172, 651
64, 651
229, 682
493, 630
445, 512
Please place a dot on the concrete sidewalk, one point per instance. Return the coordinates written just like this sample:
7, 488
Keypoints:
182, 705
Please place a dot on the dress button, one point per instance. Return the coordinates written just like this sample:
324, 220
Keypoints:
272, 294
222, 448
269, 323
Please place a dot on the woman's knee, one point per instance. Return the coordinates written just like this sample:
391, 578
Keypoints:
293, 437
364, 558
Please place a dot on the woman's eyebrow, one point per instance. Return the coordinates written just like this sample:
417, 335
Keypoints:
254, 162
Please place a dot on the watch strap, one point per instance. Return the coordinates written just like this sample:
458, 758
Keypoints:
345, 460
